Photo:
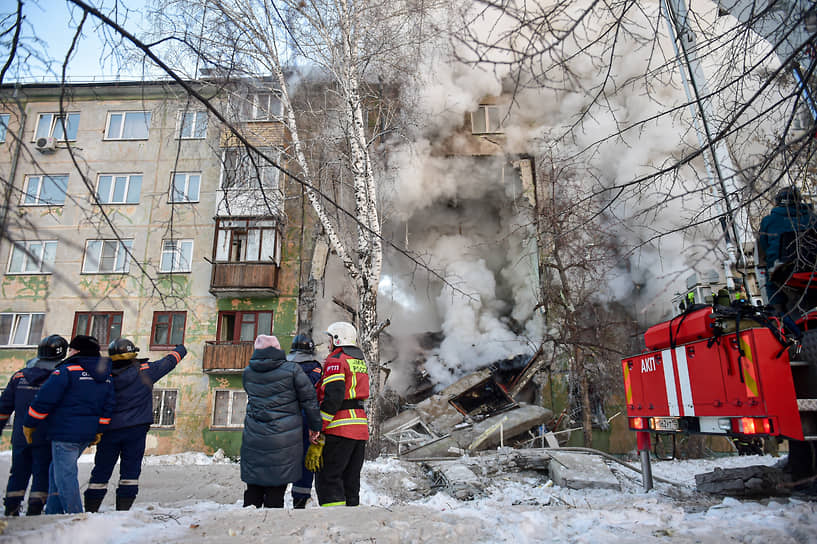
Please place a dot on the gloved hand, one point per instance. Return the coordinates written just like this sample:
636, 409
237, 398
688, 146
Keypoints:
96, 439
314, 456
28, 432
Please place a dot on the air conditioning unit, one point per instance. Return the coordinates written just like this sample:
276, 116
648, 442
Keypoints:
46, 145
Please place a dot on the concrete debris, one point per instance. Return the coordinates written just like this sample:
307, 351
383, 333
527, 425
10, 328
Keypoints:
580, 471
753, 481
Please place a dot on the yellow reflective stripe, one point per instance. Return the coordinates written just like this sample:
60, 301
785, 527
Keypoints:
332, 378
340, 503
327, 417
348, 421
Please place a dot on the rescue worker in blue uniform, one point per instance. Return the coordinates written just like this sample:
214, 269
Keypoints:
303, 353
124, 440
789, 215
76, 403
29, 460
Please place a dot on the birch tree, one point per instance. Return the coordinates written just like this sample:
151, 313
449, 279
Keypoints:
346, 45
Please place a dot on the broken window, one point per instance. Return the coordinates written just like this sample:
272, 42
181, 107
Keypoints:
485, 398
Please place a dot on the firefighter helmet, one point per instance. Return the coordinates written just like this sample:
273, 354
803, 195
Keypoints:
342, 333
303, 342
121, 349
788, 196
52, 348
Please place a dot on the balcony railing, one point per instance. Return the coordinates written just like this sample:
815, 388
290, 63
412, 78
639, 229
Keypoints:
244, 279
223, 357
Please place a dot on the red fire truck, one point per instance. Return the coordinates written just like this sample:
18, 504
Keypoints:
733, 370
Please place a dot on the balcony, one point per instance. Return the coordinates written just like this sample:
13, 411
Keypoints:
226, 358
244, 279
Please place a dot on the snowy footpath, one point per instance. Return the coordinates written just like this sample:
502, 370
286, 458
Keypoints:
197, 498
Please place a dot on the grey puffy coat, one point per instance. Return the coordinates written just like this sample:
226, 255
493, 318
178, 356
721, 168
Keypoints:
272, 444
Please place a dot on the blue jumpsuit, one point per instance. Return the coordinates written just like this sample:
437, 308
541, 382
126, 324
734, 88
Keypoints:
124, 440
27, 460
302, 489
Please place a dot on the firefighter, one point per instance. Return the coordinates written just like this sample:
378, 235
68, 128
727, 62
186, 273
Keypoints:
789, 215
124, 440
29, 460
302, 352
341, 392
76, 402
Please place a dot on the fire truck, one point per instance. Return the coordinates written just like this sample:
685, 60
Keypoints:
728, 364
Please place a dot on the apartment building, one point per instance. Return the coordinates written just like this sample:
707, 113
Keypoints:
129, 210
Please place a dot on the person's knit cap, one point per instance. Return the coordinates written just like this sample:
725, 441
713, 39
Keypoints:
264, 341
85, 345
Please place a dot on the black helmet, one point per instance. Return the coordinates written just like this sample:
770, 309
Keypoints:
122, 348
788, 196
303, 342
52, 348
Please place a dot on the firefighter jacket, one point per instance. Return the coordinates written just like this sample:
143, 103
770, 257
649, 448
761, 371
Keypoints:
272, 443
133, 383
341, 392
17, 397
76, 401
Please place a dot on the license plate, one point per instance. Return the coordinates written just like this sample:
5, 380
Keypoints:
664, 424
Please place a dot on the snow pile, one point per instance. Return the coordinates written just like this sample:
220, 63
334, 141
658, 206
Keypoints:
399, 506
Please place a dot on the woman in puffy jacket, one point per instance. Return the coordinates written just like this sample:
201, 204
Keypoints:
271, 445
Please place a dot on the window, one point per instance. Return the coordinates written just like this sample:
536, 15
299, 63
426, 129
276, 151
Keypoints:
167, 330
235, 327
4, 125
248, 240
128, 125
177, 256
486, 120
104, 326
185, 187
34, 257
21, 330
106, 256
229, 408
192, 125
261, 107
54, 125
164, 407
119, 188
242, 168
45, 190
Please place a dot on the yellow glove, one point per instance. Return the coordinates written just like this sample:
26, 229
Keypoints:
29, 434
96, 439
314, 456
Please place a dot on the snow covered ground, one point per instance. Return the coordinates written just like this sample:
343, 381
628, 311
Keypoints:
193, 497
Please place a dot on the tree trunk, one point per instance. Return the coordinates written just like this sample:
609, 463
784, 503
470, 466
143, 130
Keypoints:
584, 395
369, 343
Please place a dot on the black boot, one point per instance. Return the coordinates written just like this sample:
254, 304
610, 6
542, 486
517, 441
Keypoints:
92, 504
124, 503
299, 502
13, 510
35, 508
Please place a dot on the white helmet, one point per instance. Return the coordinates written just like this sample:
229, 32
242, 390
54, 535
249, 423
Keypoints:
342, 333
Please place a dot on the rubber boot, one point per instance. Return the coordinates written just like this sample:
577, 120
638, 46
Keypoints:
35, 508
92, 504
124, 503
299, 502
